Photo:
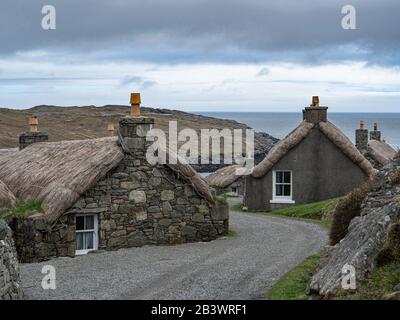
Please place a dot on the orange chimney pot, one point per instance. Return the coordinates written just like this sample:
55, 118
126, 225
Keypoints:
135, 104
33, 123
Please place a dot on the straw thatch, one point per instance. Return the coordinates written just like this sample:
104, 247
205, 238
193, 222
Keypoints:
381, 152
224, 177
7, 198
282, 148
57, 173
300, 133
7, 152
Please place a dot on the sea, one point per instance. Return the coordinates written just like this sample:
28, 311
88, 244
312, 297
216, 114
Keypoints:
279, 124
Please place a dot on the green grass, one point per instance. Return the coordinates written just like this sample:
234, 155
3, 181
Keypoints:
231, 233
22, 210
311, 212
381, 281
292, 286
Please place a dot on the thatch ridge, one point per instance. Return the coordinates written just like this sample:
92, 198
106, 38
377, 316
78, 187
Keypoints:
282, 148
223, 177
381, 151
347, 147
57, 173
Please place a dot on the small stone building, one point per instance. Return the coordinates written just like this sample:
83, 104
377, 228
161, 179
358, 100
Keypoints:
376, 150
103, 194
227, 181
316, 161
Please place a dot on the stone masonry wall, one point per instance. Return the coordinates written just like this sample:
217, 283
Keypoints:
36, 241
139, 204
9, 270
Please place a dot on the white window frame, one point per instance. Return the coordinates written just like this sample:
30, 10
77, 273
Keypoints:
282, 199
95, 234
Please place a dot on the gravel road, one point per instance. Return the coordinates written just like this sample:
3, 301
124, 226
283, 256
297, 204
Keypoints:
241, 267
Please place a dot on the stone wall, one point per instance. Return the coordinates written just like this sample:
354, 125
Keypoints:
9, 270
36, 241
139, 204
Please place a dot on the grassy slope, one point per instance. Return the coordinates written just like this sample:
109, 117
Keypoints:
292, 286
379, 283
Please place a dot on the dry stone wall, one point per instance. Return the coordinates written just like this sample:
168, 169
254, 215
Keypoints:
10, 288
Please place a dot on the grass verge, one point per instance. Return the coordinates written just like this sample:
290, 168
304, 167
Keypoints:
292, 286
317, 212
231, 233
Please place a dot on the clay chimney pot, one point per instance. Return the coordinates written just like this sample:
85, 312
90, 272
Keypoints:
315, 101
135, 104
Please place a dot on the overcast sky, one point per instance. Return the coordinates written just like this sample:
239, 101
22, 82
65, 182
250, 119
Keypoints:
202, 55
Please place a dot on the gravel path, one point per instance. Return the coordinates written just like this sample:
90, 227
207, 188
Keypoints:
241, 267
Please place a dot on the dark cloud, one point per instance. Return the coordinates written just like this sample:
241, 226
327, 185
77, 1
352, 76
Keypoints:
307, 31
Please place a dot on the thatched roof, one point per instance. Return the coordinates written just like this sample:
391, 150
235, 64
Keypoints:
381, 152
59, 172
7, 152
300, 133
223, 177
7, 198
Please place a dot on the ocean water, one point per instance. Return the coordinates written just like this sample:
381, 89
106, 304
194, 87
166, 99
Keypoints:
280, 124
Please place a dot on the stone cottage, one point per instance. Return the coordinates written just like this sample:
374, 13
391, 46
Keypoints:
316, 161
103, 194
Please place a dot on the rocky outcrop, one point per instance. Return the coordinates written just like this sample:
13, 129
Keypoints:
9, 270
366, 235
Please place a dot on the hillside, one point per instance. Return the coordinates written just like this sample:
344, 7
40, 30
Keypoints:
87, 122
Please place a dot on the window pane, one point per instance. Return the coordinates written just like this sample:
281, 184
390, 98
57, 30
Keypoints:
286, 190
89, 240
79, 241
279, 190
287, 177
279, 177
80, 223
89, 223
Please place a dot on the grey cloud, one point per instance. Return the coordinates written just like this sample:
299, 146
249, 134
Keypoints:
192, 31
263, 72
140, 82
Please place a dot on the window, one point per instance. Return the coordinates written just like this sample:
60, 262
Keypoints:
234, 190
86, 233
282, 187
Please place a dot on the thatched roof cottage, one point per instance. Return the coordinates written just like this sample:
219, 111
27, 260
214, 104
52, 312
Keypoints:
103, 194
316, 161
227, 181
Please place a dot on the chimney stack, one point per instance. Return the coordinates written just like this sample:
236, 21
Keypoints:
315, 113
110, 129
362, 138
376, 134
33, 136
133, 130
